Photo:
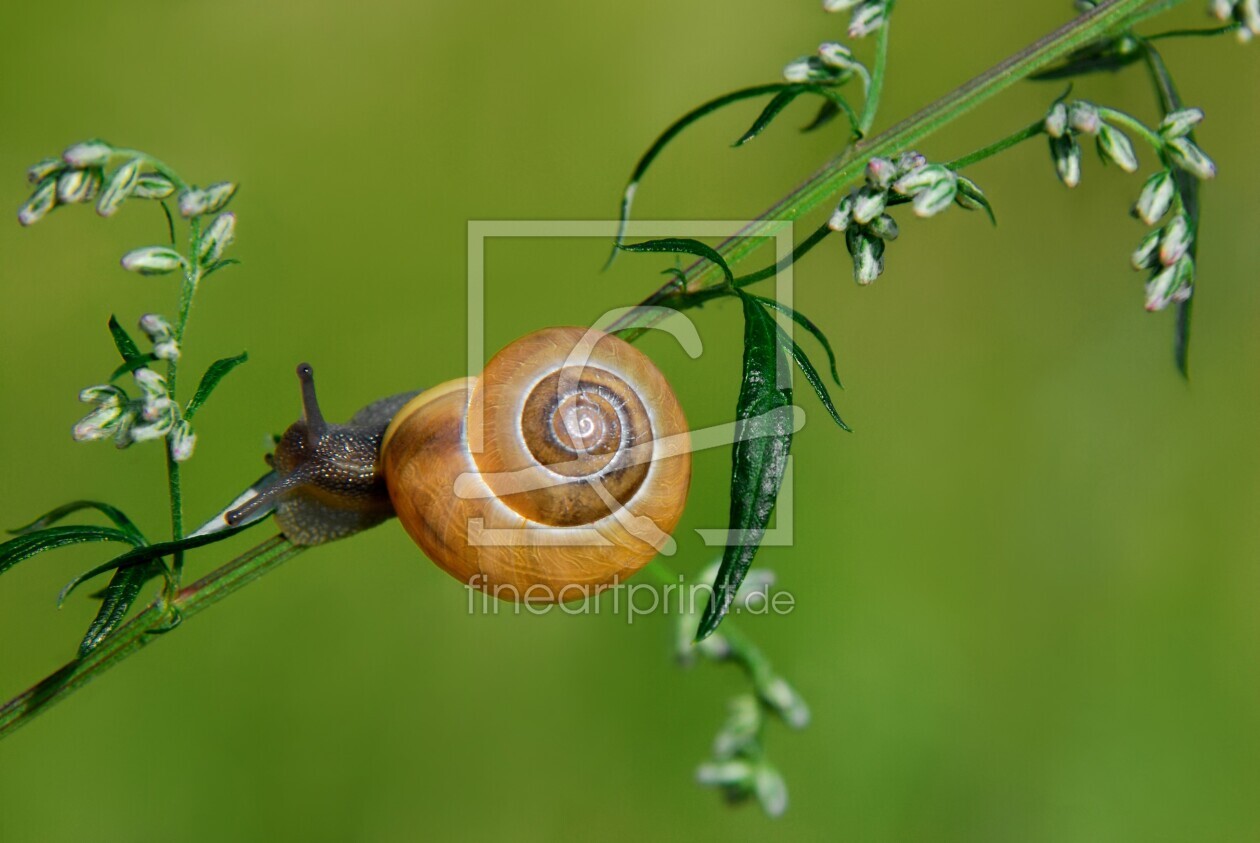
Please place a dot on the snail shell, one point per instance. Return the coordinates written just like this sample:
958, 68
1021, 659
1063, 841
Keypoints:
560, 470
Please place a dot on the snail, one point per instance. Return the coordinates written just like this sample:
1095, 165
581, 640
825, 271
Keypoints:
562, 468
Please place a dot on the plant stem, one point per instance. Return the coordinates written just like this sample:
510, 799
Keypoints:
875, 90
1029, 131
846, 168
141, 630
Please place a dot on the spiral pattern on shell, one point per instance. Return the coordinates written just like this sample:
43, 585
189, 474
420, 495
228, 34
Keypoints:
560, 470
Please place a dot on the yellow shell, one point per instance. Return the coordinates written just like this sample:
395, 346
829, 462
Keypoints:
561, 470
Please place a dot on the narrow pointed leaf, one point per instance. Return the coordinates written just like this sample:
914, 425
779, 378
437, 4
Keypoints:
121, 521
126, 346
117, 598
672, 131
758, 458
811, 375
149, 553
826, 113
51, 538
131, 365
217, 265
685, 246
800, 319
1089, 60
217, 371
785, 98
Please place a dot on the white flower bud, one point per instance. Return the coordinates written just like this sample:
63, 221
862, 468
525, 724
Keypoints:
839, 5
884, 227
1083, 117
48, 167
150, 381
93, 153
103, 395
166, 350
118, 188
1178, 124
1056, 120
156, 429
784, 699
771, 790
798, 71
183, 441
152, 260
1175, 241
219, 235
1067, 159
868, 255
868, 203
920, 179
77, 186
153, 186
43, 200
1191, 159
842, 216
880, 172
937, 197
101, 423
1115, 145
1156, 197
155, 326
1249, 14
837, 55
1146, 256
1223, 9
725, 773
1174, 283
908, 162
867, 18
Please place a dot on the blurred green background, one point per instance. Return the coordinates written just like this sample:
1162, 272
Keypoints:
1026, 585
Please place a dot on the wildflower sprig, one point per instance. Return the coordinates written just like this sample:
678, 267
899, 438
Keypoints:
1245, 13
738, 765
909, 178
111, 177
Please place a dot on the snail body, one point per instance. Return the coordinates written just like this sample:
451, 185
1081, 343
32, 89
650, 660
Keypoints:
560, 469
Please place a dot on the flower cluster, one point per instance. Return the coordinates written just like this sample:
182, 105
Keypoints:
1244, 12
868, 15
833, 65
738, 766
861, 216
152, 415
1065, 122
82, 174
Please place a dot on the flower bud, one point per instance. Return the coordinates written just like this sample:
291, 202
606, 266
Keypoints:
153, 186
937, 197
880, 172
48, 167
867, 18
155, 326
1156, 197
725, 773
837, 55
1146, 256
922, 178
1115, 145
104, 395
771, 790
195, 202
1249, 15
101, 423
118, 188
799, 71
1174, 283
839, 5
1056, 120
842, 216
1083, 117
157, 428
152, 260
1180, 123
77, 186
93, 153
1175, 241
908, 162
43, 200
786, 702
1067, 159
1222, 9
1190, 158
183, 441
868, 203
218, 236
741, 727
868, 255
884, 227
970, 197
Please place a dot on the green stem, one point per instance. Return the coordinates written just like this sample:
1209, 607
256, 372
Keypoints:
141, 630
1029, 131
1193, 33
875, 90
846, 168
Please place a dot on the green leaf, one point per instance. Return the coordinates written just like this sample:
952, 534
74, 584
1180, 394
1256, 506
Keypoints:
126, 346
758, 457
217, 265
800, 319
150, 553
672, 131
686, 246
51, 538
785, 98
217, 371
121, 521
131, 365
118, 598
1096, 58
826, 113
811, 375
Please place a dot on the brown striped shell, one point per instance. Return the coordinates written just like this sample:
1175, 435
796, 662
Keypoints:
562, 469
